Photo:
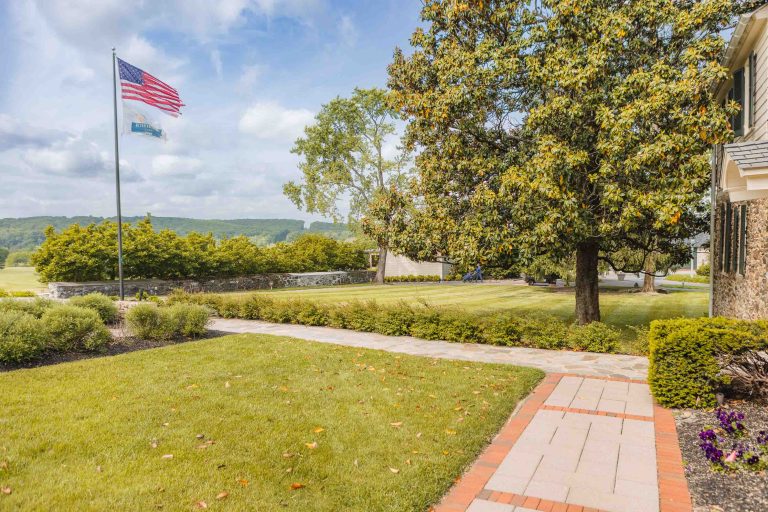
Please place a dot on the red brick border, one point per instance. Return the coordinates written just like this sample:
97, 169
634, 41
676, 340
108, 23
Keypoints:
673, 488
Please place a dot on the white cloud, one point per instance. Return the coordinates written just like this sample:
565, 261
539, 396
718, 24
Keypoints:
347, 31
269, 120
72, 157
249, 78
216, 63
173, 165
15, 133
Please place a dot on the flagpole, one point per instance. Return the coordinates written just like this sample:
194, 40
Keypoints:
117, 180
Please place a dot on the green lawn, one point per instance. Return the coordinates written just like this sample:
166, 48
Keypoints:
16, 279
619, 307
392, 432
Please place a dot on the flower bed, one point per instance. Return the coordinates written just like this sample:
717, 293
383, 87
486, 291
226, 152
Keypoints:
708, 440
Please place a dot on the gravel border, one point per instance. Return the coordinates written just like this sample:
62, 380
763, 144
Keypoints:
712, 491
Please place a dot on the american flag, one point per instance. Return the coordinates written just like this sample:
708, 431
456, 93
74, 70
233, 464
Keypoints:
139, 85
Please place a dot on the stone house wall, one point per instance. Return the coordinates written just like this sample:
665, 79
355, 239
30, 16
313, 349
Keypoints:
743, 296
232, 284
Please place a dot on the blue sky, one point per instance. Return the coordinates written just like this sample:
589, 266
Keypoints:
252, 73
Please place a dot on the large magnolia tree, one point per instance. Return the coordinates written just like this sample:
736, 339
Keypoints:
561, 127
346, 159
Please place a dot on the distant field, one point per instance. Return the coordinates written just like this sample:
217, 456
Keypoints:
14, 279
618, 307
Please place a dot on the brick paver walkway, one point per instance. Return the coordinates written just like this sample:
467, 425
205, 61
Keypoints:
579, 444
551, 361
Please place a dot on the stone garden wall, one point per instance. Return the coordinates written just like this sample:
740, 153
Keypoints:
232, 284
744, 296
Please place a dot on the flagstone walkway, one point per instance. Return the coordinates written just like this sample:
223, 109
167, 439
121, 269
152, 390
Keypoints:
588, 439
551, 361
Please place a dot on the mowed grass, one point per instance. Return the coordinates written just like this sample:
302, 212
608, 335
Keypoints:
18, 279
392, 432
619, 307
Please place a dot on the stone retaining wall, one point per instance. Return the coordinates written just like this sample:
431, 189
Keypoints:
232, 284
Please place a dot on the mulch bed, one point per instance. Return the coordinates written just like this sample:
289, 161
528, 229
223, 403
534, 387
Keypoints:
714, 491
121, 344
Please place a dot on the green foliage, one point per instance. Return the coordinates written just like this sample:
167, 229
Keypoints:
3, 255
703, 270
685, 278
553, 128
18, 259
103, 305
22, 337
412, 279
90, 253
342, 156
72, 328
594, 337
419, 320
684, 369
36, 307
153, 322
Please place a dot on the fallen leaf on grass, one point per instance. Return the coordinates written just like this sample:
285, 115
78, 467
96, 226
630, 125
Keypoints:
4, 465
450, 432
167, 456
288, 455
192, 386
201, 504
6, 490
397, 424
296, 486
317, 430
203, 446
394, 470
243, 482
222, 495
418, 435
311, 445
226, 384
289, 470
199, 436
153, 444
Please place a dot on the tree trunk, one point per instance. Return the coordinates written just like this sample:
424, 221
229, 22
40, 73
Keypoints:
648, 280
381, 265
587, 298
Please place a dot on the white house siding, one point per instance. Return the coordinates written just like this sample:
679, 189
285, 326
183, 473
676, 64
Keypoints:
402, 266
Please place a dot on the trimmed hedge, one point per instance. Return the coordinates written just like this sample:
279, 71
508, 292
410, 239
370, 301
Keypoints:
685, 355
22, 337
72, 328
154, 322
422, 321
412, 279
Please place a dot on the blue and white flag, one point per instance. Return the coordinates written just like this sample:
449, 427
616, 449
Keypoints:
137, 121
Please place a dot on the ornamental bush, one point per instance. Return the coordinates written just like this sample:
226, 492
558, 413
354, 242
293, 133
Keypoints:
100, 303
72, 328
687, 357
160, 323
403, 319
22, 337
36, 307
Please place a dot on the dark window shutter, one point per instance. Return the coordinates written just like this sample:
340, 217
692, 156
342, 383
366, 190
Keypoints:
727, 237
738, 97
743, 240
752, 88
722, 238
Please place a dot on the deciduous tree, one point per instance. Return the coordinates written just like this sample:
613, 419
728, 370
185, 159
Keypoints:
344, 156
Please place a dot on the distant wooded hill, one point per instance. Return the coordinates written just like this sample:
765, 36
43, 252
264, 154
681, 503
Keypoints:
27, 233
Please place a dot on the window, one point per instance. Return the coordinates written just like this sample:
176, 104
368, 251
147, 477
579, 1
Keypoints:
737, 94
752, 88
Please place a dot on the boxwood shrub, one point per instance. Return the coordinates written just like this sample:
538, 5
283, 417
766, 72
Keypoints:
419, 320
686, 356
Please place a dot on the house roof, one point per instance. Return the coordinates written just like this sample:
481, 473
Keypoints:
749, 155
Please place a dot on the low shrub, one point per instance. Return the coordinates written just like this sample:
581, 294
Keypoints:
73, 328
686, 278
22, 337
544, 332
703, 270
503, 329
594, 337
99, 303
36, 307
22, 293
153, 322
688, 356
4, 293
